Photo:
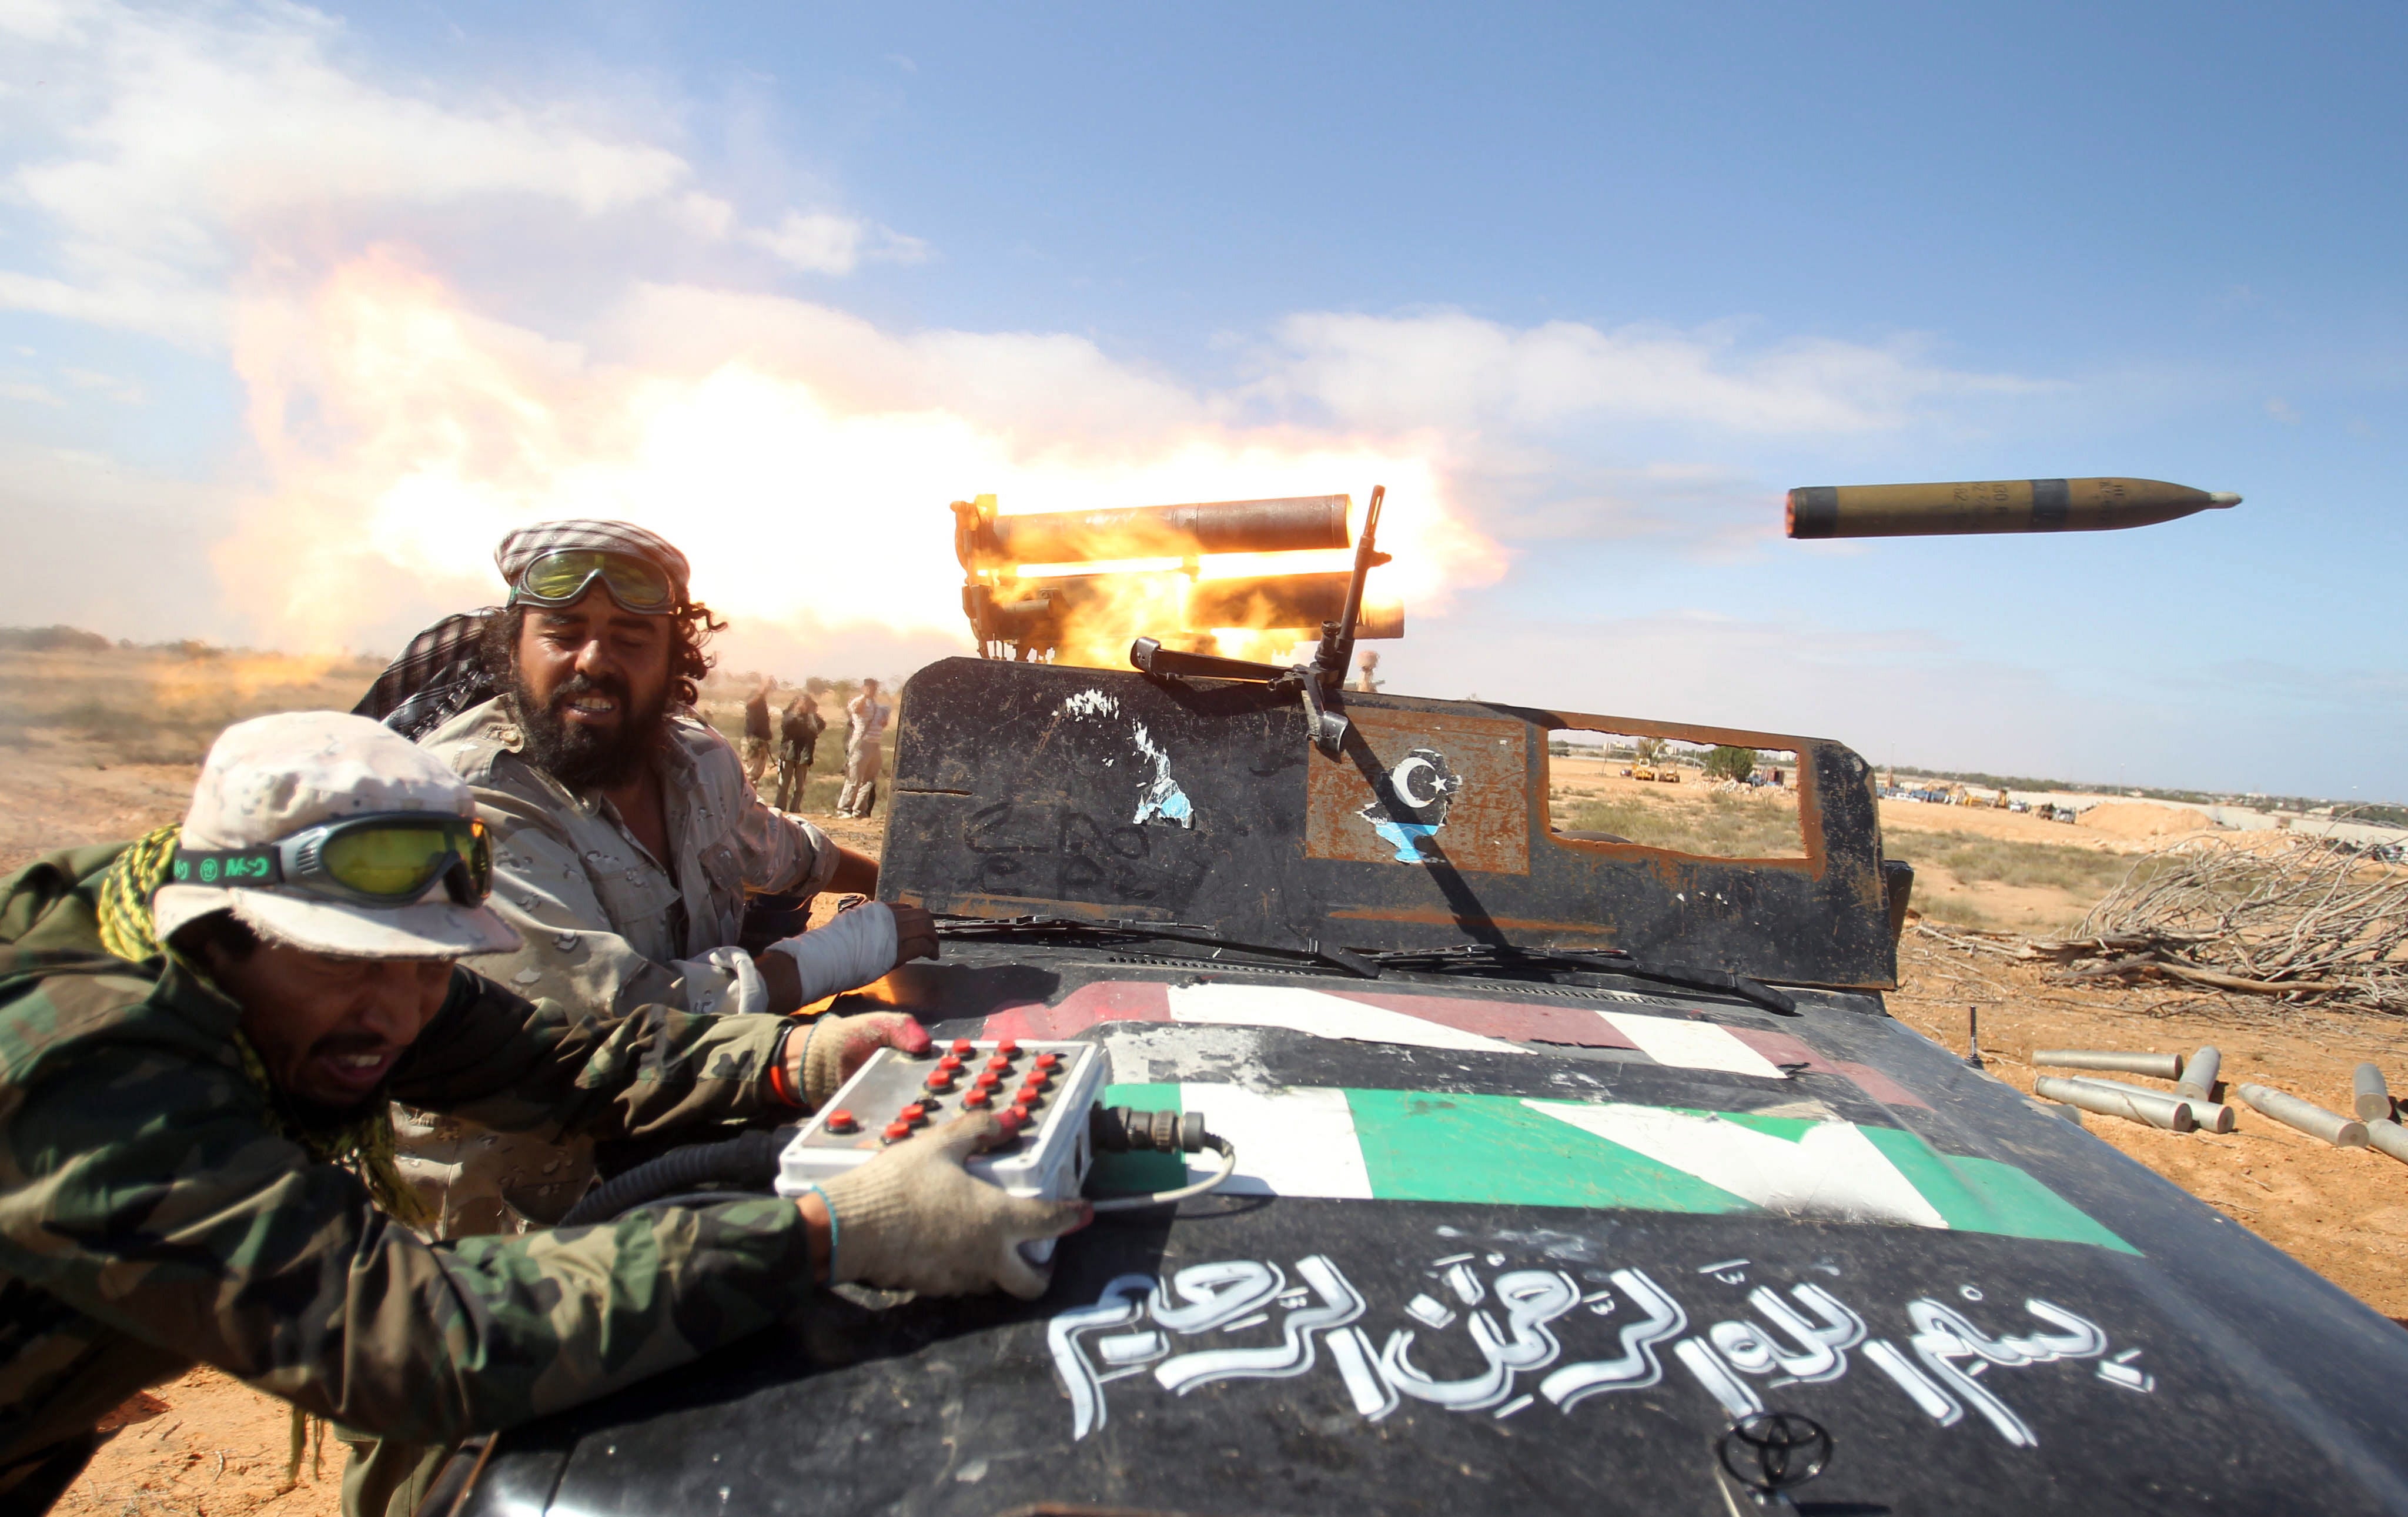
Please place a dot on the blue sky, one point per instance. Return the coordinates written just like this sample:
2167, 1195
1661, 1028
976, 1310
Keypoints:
297, 306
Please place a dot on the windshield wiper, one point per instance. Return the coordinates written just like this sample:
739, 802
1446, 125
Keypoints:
1313, 951
1613, 960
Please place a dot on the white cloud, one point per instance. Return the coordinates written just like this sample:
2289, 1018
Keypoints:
171, 154
1449, 368
824, 242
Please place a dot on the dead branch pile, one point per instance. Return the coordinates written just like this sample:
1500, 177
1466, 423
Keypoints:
2301, 921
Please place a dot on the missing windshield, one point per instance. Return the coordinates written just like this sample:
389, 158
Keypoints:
1714, 800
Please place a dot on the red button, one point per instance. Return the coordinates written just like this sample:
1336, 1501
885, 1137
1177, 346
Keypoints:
897, 1131
960, 1045
1012, 1121
1038, 1078
942, 1080
975, 1100
916, 1113
989, 1080
998, 1063
1029, 1099
950, 1063
843, 1121
1020, 1113
1047, 1061
1008, 1048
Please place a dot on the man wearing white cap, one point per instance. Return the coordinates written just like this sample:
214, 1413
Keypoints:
200, 1036
626, 837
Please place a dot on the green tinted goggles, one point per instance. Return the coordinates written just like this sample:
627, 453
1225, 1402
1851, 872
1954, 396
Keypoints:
388, 860
560, 578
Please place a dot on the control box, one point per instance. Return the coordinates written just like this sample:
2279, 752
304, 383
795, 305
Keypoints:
1044, 1088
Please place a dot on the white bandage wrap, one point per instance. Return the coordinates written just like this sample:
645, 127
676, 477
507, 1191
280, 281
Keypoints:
849, 952
748, 994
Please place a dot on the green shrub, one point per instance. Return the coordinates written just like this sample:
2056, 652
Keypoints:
1723, 826
1728, 763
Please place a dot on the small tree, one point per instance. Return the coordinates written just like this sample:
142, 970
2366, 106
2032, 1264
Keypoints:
1652, 751
1728, 763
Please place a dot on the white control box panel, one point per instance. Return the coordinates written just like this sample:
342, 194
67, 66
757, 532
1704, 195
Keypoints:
1047, 1086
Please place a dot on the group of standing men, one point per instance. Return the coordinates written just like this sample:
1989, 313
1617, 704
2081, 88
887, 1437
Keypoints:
301, 1086
800, 726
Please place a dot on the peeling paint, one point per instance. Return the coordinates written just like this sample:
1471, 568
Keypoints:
1163, 797
1160, 796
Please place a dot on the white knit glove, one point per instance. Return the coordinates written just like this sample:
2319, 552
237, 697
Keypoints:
854, 948
835, 1047
912, 1219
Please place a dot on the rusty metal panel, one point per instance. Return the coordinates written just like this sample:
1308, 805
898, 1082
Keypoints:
1421, 787
1058, 790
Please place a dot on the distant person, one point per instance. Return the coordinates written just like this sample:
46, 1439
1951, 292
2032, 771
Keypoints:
756, 731
200, 1034
862, 752
625, 841
798, 748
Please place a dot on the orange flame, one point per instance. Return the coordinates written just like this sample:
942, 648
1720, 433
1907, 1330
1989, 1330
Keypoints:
401, 434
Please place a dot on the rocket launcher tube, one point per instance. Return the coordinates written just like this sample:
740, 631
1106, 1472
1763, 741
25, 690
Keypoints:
1296, 523
1929, 510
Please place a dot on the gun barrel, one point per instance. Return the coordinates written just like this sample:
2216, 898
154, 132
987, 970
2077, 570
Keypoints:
1228, 526
1924, 510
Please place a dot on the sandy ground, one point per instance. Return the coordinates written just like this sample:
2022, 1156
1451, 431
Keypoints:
207, 1444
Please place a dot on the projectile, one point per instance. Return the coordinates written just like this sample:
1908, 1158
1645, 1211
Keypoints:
1928, 511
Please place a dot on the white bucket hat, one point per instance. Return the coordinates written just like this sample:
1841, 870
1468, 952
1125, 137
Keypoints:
274, 775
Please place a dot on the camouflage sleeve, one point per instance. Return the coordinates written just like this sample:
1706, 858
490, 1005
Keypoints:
522, 1066
541, 888
141, 1185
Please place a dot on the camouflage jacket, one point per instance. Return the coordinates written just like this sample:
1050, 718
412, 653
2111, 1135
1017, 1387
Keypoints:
150, 1215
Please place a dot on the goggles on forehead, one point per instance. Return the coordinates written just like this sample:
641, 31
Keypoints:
560, 578
388, 860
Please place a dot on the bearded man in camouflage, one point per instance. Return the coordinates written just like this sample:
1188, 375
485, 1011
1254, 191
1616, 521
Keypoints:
200, 1034
626, 837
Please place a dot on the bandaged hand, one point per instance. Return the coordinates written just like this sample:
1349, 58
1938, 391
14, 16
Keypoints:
912, 1219
822, 1056
861, 944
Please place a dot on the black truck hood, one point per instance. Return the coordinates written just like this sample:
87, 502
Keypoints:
1498, 1246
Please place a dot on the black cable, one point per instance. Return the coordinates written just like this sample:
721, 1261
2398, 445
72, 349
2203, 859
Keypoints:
746, 1159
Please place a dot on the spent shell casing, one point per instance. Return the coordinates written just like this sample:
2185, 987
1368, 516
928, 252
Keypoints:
2108, 1101
1928, 510
2121, 1060
2305, 1116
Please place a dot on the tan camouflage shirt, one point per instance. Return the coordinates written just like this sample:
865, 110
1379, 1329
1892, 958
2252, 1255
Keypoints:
609, 928
607, 925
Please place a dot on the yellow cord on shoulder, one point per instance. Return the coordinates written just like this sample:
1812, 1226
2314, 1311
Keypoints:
125, 928
127, 931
